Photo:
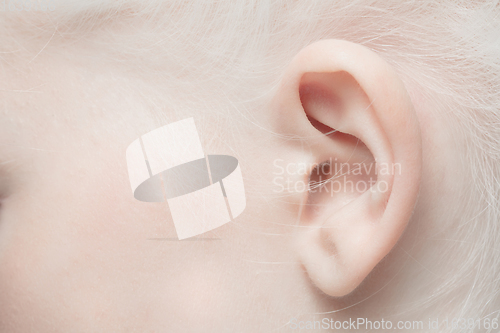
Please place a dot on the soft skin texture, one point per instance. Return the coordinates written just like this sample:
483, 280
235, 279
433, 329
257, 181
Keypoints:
79, 254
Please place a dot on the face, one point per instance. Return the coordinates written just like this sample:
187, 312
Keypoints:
79, 253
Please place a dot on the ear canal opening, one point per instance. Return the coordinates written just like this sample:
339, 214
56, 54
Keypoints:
320, 175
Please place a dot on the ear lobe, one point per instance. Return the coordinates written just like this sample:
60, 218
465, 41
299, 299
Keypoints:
345, 87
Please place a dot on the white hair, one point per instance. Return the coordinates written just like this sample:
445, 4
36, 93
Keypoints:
231, 54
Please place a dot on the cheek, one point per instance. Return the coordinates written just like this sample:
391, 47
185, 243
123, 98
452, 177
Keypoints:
73, 245
81, 252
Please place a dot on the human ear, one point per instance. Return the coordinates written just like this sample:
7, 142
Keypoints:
349, 106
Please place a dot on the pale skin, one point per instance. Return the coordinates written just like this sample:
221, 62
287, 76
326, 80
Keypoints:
79, 254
